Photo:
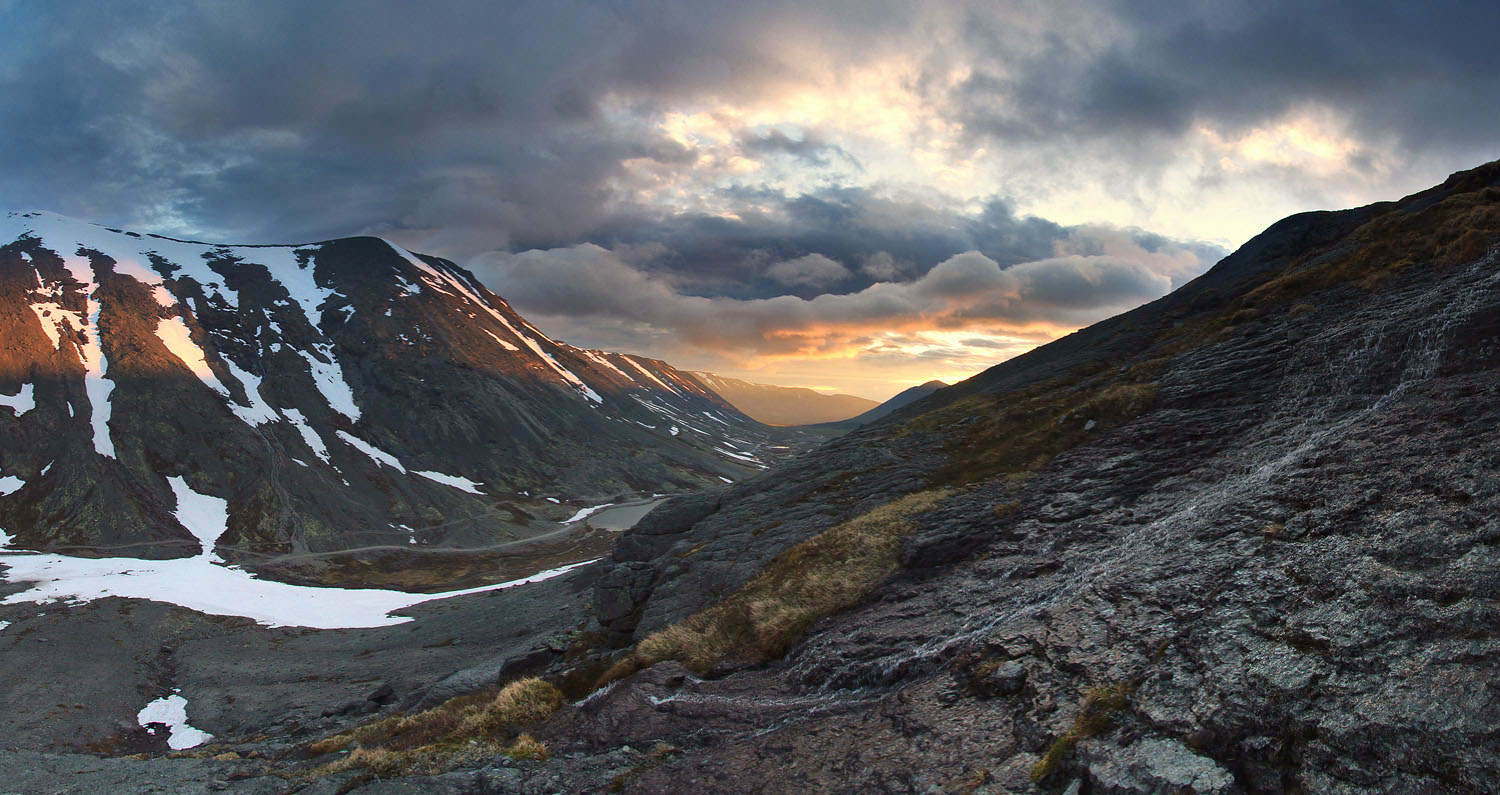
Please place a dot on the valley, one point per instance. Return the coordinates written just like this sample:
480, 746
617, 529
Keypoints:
1237, 539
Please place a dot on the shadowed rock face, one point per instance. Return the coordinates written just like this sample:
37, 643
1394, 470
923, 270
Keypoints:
340, 395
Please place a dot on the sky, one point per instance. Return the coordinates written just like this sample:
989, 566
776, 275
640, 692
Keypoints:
855, 196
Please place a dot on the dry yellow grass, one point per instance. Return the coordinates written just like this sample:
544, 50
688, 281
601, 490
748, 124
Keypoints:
820, 576
527, 747
462, 728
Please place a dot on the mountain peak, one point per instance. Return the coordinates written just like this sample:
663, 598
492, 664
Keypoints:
345, 393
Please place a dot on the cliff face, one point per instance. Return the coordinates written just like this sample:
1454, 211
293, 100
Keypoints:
340, 395
1240, 539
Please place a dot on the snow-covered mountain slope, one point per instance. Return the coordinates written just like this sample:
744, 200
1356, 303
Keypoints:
338, 395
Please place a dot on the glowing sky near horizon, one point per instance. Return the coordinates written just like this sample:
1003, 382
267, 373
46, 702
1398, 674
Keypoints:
847, 195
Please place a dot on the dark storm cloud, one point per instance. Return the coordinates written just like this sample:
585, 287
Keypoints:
1398, 69
509, 126
874, 238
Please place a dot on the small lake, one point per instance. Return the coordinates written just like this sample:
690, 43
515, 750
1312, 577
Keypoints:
621, 517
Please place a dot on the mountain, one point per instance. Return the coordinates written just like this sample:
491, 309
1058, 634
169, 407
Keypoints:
1239, 539
783, 405
901, 399
340, 395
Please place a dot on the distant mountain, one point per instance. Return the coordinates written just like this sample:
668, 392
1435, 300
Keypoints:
902, 399
338, 395
783, 405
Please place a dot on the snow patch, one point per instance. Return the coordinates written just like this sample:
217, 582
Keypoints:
503, 343
258, 412
647, 373
174, 334
204, 516
171, 712
376, 454
329, 378
738, 456
215, 589
311, 437
10, 484
584, 513
460, 483
21, 402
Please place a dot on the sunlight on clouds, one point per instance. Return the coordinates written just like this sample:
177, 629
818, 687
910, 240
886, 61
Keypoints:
1309, 140
883, 128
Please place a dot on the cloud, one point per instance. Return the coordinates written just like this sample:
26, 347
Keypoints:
527, 124
810, 270
966, 291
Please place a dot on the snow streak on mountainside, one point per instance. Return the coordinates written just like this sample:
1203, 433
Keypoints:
336, 395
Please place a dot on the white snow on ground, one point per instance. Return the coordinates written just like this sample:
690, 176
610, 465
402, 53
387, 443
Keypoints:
460, 483
174, 334
172, 712
9, 484
715, 419
201, 585
739, 456
4, 539
503, 343
726, 480
21, 402
376, 454
329, 378
647, 373
666, 412
600, 359
95, 384
584, 513
258, 412
309, 435
204, 516
4, 624
675, 430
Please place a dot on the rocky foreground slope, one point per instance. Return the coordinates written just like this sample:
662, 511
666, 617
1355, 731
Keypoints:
1242, 539
340, 395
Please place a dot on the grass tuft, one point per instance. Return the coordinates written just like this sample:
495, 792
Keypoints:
467, 727
1100, 703
820, 576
